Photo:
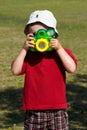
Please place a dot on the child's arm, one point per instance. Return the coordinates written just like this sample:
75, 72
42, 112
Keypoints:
17, 64
67, 61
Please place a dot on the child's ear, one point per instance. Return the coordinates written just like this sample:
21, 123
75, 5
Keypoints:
26, 31
56, 35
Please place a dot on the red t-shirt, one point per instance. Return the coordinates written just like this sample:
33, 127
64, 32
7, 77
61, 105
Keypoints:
45, 81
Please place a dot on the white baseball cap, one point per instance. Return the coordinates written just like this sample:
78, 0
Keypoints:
43, 16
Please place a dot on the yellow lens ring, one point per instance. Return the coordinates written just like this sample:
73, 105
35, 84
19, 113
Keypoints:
45, 42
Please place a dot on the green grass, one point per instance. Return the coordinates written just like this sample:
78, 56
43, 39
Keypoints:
72, 27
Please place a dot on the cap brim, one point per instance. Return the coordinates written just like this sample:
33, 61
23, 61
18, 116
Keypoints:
43, 22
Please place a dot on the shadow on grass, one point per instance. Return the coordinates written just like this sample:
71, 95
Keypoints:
10, 105
77, 100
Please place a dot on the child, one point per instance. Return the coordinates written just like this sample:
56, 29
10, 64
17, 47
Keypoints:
44, 96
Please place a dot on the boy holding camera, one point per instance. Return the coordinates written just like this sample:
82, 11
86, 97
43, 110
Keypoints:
44, 96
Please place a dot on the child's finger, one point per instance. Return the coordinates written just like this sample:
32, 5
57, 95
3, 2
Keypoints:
30, 36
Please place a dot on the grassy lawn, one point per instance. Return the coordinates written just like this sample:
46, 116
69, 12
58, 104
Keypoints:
72, 27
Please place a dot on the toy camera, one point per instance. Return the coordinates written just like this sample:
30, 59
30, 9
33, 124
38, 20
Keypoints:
42, 40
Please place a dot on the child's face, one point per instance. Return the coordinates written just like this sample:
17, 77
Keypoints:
35, 27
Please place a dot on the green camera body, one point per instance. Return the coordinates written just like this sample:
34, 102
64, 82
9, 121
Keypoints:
42, 40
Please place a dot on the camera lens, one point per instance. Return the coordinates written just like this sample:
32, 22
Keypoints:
41, 45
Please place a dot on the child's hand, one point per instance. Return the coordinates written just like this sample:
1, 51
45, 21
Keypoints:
29, 42
55, 44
